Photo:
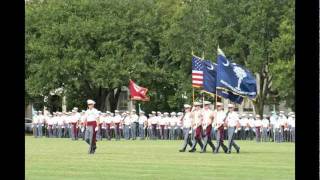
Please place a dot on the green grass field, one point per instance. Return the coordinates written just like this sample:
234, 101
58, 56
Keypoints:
60, 159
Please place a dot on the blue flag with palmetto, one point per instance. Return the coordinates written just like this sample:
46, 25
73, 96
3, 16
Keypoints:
234, 78
209, 82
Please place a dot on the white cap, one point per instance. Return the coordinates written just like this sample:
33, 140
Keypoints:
116, 111
89, 101
75, 108
141, 112
293, 115
153, 112
83, 111
257, 115
197, 103
230, 106
180, 113
165, 113
219, 104
172, 113
281, 112
265, 115
186, 106
206, 102
108, 112
133, 110
250, 115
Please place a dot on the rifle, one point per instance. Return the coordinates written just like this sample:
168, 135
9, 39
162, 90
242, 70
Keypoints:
217, 127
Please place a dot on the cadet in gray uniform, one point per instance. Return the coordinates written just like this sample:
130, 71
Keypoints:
219, 118
142, 125
35, 124
186, 122
134, 120
292, 123
197, 126
117, 120
127, 122
273, 119
265, 125
40, 123
91, 121
207, 116
232, 121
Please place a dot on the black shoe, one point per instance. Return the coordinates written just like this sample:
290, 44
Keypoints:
192, 150
182, 150
238, 150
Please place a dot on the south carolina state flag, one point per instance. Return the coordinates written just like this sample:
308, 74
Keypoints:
137, 92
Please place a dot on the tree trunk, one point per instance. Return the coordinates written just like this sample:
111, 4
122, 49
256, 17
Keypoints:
113, 98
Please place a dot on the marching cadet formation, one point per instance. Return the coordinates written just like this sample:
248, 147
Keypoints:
197, 125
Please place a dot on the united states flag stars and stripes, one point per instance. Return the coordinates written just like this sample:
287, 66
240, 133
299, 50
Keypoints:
197, 72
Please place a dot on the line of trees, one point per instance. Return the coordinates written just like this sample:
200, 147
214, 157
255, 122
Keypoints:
93, 47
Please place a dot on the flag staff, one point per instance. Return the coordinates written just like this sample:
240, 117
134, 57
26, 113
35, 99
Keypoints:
192, 86
192, 95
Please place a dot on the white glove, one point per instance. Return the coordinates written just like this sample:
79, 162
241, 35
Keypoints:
96, 129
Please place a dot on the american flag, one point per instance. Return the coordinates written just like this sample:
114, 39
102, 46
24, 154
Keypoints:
197, 72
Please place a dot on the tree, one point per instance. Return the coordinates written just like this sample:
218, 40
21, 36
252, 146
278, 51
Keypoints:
92, 48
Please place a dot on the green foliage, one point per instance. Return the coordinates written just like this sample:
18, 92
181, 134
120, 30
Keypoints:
91, 47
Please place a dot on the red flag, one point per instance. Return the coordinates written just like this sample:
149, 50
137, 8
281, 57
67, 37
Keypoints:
137, 92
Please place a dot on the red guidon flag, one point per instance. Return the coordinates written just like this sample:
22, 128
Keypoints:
137, 92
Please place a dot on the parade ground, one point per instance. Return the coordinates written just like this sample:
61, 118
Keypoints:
62, 158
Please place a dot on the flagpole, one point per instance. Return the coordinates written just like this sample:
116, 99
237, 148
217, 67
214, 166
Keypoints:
192, 95
216, 99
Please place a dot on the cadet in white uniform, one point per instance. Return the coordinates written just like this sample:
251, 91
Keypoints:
273, 119
282, 120
127, 122
35, 124
208, 116
257, 125
186, 124
154, 122
243, 124
286, 130
219, 119
158, 117
103, 123
82, 125
142, 125
265, 126
75, 118
232, 121
179, 126
162, 124
117, 120
277, 130
292, 124
54, 124
197, 126
134, 123
150, 125
108, 125
91, 121
99, 125
60, 125
40, 123
172, 125
49, 125
251, 127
